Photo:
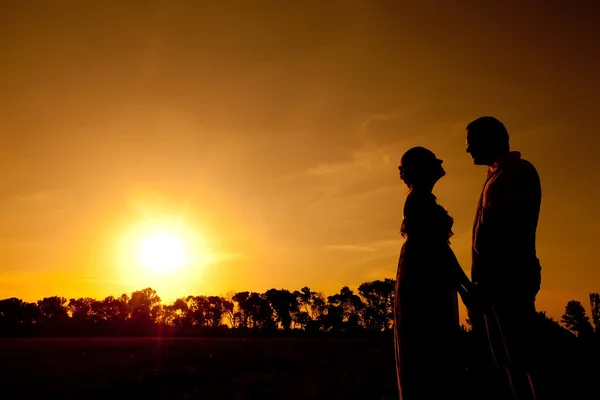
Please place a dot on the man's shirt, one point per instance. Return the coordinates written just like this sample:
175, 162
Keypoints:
504, 232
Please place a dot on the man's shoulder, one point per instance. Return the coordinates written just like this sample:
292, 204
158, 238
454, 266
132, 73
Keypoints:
525, 163
522, 167
523, 176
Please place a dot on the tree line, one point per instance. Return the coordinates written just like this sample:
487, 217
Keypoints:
274, 312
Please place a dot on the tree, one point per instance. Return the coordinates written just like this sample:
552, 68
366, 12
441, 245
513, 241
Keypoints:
53, 308
142, 302
595, 307
345, 310
85, 313
197, 310
243, 312
18, 317
54, 315
115, 311
576, 320
378, 313
177, 313
230, 310
144, 308
260, 312
229, 307
311, 308
285, 305
214, 311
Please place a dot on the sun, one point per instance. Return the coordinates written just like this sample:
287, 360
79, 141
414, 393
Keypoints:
175, 254
162, 252
163, 248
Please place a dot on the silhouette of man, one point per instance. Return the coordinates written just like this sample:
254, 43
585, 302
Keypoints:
505, 268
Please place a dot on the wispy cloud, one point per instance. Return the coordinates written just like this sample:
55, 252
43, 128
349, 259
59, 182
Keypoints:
40, 196
350, 248
398, 113
104, 281
378, 252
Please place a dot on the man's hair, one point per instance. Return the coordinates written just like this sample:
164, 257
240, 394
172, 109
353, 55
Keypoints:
490, 130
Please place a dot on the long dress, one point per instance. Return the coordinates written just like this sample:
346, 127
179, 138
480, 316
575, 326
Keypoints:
426, 302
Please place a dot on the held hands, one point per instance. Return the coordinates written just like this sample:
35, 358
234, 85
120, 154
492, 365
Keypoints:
472, 297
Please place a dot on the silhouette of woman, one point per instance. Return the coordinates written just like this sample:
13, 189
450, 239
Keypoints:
428, 279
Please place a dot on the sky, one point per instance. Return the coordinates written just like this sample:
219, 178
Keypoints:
267, 135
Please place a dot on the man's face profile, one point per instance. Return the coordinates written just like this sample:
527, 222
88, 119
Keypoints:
477, 149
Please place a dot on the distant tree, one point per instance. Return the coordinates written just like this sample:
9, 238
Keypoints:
344, 310
260, 312
379, 304
143, 313
18, 317
144, 308
84, 309
157, 313
86, 313
142, 302
53, 308
242, 315
284, 304
548, 325
230, 310
576, 320
197, 310
595, 308
177, 313
115, 311
333, 319
311, 308
214, 311
54, 315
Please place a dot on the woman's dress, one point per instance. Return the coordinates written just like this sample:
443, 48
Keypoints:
426, 302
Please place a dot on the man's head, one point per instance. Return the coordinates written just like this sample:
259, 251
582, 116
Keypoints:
487, 140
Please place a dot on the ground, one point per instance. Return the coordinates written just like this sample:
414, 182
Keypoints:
190, 368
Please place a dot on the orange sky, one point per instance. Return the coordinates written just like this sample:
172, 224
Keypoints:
274, 129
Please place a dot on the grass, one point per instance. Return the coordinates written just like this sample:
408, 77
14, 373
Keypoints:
191, 368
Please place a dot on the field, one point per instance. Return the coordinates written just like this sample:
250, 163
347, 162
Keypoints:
190, 368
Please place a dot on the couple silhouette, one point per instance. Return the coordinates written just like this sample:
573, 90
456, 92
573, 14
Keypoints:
505, 275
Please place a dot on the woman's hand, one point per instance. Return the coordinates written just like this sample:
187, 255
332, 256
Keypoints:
474, 299
467, 294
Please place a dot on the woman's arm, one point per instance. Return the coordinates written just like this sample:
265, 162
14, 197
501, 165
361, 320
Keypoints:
461, 282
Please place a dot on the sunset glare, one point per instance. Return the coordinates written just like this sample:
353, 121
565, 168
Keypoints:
162, 252
165, 252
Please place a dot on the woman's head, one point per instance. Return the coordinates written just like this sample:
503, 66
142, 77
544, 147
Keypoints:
420, 167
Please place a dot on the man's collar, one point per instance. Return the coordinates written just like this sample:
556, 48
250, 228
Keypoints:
502, 161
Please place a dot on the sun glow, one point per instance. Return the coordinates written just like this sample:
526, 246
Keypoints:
169, 254
162, 252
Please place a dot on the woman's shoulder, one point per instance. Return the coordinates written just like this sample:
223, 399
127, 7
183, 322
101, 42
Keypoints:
423, 203
417, 198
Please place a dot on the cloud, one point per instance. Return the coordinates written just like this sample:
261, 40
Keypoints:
389, 127
350, 248
378, 250
36, 197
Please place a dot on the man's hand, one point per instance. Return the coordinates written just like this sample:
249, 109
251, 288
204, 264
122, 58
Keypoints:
473, 298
